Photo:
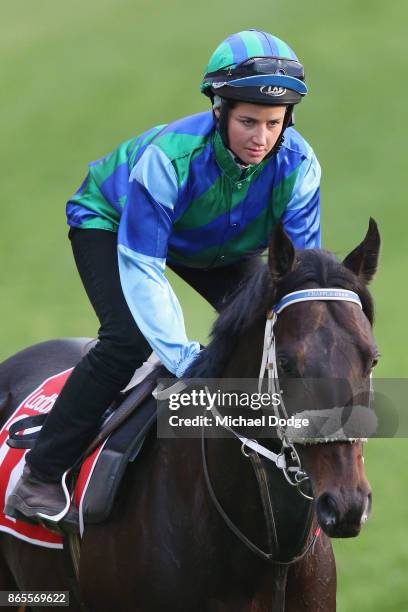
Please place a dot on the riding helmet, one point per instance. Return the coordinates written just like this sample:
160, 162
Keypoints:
257, 67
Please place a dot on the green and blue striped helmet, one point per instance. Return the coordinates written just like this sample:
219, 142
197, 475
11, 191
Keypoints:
254, 66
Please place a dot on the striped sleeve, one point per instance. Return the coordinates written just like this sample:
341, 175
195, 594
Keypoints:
301, 218
89, 208
99, 201
144, 230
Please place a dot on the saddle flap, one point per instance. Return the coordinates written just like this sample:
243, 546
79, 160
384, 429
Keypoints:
123, 445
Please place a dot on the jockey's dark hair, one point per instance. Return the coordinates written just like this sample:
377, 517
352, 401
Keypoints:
249, 305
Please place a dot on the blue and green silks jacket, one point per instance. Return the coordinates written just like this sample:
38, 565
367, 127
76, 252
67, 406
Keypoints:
175, 193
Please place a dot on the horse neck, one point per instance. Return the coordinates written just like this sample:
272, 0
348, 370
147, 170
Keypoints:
246, 357
252, 491
232, 474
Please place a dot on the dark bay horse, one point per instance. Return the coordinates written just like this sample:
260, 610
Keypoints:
166, 545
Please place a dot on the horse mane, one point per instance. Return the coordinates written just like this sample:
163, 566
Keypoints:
249, 304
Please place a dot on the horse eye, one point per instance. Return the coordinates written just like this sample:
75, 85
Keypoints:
284, 363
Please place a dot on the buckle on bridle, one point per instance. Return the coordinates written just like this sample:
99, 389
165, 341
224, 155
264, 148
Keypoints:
243, 451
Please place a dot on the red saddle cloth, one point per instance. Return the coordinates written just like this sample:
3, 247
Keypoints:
12, 461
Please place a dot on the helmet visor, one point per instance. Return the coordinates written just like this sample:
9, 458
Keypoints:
260, 65
268, 65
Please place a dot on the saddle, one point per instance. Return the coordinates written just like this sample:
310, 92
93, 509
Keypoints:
120, 439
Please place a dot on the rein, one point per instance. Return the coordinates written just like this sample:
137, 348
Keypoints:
265, 556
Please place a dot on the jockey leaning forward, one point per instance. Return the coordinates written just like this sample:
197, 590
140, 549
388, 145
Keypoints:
201, 195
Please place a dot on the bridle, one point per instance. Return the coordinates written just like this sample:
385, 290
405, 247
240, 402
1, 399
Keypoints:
287, 460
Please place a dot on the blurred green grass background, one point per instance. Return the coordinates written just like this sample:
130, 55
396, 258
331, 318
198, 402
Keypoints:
80, 77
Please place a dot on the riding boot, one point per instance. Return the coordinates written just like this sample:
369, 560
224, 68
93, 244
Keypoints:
33, 499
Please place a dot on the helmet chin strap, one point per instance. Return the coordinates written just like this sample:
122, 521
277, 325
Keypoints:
222, 127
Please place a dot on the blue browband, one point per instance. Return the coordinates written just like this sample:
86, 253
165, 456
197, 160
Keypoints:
316, 294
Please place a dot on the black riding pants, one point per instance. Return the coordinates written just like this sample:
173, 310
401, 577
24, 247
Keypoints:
108, 367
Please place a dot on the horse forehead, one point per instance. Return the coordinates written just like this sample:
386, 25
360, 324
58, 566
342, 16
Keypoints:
316, 321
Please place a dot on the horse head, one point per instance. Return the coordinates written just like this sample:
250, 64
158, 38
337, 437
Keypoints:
330, 346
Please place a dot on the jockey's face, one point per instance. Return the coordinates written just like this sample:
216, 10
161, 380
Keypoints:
253, 130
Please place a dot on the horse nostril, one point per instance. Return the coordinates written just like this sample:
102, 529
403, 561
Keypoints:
327, 510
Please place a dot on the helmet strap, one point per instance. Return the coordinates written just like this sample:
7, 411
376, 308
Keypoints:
222, 122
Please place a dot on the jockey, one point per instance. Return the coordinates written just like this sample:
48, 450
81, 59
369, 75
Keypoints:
200, 195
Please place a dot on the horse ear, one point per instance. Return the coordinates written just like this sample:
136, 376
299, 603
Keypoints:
363, 260
281, 256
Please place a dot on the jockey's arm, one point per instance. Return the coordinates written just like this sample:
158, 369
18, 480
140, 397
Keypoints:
301, 218
144, 230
